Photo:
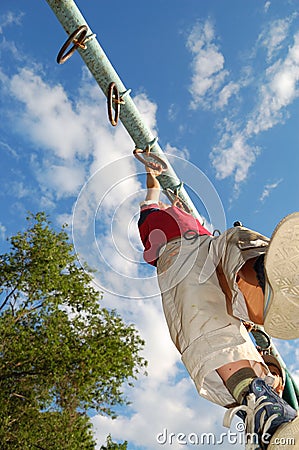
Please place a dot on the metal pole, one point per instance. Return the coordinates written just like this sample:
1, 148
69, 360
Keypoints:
99, 65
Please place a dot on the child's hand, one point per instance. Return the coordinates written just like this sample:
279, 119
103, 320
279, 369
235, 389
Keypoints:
155, 170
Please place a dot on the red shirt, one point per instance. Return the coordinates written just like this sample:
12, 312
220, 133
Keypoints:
159, 226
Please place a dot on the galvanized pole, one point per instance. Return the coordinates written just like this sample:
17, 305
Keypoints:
99, 65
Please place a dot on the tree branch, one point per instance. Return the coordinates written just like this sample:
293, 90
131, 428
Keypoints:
8, 297
20, 374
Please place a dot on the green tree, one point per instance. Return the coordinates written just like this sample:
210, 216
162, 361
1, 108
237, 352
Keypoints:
113, 446
61, 354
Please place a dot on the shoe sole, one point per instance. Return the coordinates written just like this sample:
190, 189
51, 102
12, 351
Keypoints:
286, 437
282, 280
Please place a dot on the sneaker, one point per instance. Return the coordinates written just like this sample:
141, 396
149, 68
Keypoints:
281, 316
269, 421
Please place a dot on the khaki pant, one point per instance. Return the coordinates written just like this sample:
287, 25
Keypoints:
207, 330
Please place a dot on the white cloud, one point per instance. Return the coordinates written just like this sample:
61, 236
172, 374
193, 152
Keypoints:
235, 154
64, 180
2, 232
147, 110
226, 93
10, 19
64, 219
273, 36
208, 87
173, 112
269, 188
9, 149
75, 138
277, 92
19, 189
49, 118
181, 153
267, 6
159, 410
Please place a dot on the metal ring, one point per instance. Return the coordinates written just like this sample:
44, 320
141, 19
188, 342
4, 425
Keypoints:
113, 97
172, 196
78, 38
191, 235
137, 152
216, 231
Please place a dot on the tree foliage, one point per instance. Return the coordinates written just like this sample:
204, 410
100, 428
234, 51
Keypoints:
110, 445
61, 354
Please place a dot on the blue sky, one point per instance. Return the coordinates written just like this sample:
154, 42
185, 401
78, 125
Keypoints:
217, 81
